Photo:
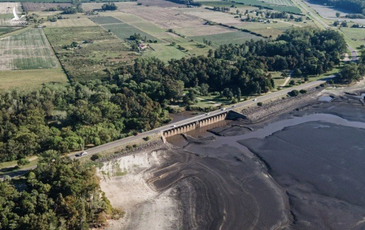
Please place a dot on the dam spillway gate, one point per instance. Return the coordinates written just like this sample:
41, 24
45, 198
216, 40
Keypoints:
195, 124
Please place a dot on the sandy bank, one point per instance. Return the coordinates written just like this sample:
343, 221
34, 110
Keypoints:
124, 182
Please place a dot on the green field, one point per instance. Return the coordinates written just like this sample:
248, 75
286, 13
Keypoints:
291, 9
5, 30
124, 31
105, 20
226, 38
280, 2
165, 52
91, 59
30, 79
356, 35
28, 49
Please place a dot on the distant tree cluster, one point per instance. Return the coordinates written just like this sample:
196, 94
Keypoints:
58, 194
109, 6
310, 51
67, 118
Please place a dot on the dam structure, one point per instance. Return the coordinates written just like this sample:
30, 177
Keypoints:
183, 128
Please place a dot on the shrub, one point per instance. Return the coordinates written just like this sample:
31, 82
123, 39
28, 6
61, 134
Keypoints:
95, 157
294, 93
22, 162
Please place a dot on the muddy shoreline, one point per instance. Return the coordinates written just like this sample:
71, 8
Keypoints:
235, 181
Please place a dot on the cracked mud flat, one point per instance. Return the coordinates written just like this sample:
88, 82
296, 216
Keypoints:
300, 170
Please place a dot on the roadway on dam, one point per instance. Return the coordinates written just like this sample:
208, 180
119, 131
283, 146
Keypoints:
236, 107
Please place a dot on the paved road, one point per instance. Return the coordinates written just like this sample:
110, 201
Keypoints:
240, 105
354, 54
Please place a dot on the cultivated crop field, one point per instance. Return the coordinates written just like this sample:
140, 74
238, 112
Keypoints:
96, 51
5, 30
70, 22
33, 6
28, 49
105, 20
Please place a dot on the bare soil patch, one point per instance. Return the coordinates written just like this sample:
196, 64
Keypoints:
166, 18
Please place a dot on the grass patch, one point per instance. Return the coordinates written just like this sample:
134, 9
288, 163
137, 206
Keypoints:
227, 38
30, 79
105, 20
124, 31
165, 52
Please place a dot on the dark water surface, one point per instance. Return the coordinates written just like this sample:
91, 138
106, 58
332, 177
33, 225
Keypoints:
314, 165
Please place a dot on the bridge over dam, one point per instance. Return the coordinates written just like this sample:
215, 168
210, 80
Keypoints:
205, 121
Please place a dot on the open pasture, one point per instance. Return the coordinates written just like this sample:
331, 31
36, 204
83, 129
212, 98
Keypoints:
226, 38
97, 51
30, 79
34, 6
280, 2
274, 6
26, 50
70, 22
165, 52
203, 30
356, 35
120, 29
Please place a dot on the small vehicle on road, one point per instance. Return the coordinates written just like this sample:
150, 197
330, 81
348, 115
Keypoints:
83, 153
173, 126
255, 99
223, 109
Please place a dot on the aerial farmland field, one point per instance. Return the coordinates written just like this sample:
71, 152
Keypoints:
29, 49
33, 6
95, 52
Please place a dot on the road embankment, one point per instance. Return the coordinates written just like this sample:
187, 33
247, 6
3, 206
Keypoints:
278, 106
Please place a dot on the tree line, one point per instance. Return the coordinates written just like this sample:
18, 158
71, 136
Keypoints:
308, 51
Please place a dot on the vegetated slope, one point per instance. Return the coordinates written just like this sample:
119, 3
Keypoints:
58, 194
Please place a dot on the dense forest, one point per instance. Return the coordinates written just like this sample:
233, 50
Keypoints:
356, 6
59, 194
68, 118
